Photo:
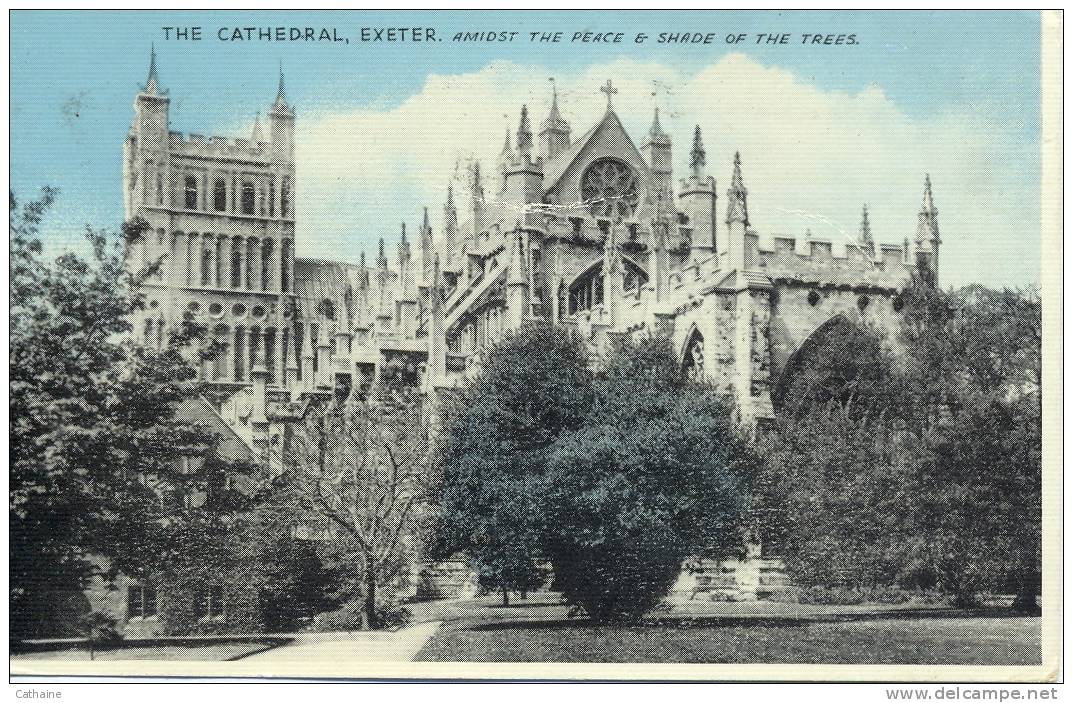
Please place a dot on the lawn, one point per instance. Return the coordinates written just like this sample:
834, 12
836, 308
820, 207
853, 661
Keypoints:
742, 633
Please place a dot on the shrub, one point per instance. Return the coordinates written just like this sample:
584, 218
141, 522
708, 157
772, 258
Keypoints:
389, 615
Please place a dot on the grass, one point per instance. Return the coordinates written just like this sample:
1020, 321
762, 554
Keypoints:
738, 633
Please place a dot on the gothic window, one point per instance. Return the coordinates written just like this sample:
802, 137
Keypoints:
240, 345
299, 342
206, 266
261, 201
272, 199
266, 264
254, 345
190, 192
236, 268
141, 602
159, 189
247, 198
693, 361
270, 353
286, 343
587, 291
284, 273
285, 198
609, 187
327, 309
251, 249
219, 195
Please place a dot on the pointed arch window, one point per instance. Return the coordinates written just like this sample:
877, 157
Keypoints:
587, 290
206, 267
693, 359
190, 192
247, 198
285, 197
284, 269
219, 195
266, 264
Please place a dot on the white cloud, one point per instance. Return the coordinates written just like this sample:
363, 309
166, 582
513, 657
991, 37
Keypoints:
810, 157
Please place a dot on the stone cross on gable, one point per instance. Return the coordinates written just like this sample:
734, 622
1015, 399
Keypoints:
609, 90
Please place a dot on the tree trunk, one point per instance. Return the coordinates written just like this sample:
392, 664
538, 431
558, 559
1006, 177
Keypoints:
506, 600
369, 611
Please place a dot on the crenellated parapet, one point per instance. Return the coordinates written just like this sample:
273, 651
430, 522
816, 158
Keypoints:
199, 145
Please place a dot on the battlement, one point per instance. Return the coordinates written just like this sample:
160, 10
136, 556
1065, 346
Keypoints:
817, 259
216, 146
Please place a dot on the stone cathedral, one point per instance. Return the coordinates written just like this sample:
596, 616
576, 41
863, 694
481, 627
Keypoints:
586, 230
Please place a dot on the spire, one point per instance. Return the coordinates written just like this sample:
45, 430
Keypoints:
656, 135
450, 228
153, 81
928, 219
525, 134
554, 122
381, 260
507, 155
281, 94
696, 154
866, 241
737, 209
402, 237
426, 249
363, 276
258, 135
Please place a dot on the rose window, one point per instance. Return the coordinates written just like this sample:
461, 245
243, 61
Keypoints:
609, 187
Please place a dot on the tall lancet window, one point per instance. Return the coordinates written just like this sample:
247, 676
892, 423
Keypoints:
219, 195
285, 198
247, 198
190, 192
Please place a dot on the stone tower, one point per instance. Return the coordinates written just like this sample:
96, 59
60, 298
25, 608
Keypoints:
219, 218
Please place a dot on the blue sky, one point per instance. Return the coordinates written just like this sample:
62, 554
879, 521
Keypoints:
929, 72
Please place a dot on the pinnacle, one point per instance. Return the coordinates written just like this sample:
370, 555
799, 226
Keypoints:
736, 182
152, 82
697, 157
281, 94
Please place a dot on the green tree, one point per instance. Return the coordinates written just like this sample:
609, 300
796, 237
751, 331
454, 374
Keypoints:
615, 476
497, 432
652, 475
935, 480
97, 447
981, 468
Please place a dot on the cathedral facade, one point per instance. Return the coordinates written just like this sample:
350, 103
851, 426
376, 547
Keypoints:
588, 231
